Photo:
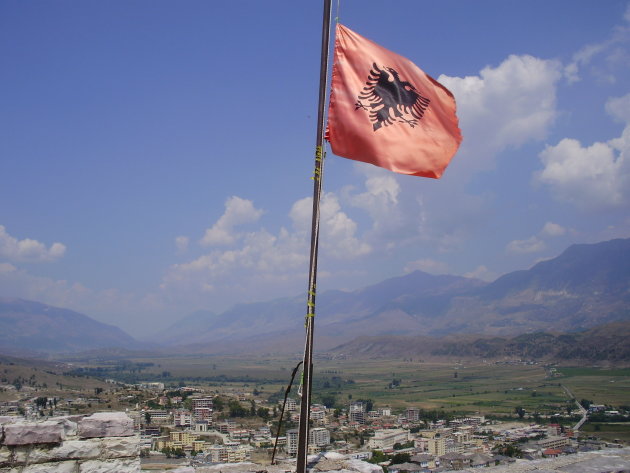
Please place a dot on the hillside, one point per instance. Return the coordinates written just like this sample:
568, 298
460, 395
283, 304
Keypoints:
28, 327
37, 376
586, 286
607, 343
344, 315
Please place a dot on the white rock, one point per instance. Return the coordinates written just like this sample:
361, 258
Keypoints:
120, 447
27, 433
334, 456
111, 466
60, 467
362, 466
69, 450
106, 424
5, 455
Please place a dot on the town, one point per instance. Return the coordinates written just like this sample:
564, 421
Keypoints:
205, 426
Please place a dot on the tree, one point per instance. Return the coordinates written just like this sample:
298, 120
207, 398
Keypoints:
263, 413
236, 410
400, 458
328, 400
378, 457
509, 450
585, 403
520, 411
217, 403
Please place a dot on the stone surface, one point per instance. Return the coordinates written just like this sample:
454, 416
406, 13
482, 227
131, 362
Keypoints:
28, 433
106, 424
362, 466
5, 455
60, 467
120, 447
111, 466
69, 450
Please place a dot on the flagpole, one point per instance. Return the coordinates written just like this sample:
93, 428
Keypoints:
307, 374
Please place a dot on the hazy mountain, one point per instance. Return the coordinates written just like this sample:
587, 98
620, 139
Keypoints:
27, 326
586, 286
604, 343
341, 315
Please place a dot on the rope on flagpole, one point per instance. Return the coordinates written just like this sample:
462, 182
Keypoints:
286, 396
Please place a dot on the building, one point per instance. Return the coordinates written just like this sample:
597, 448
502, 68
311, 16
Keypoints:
553, 442
384, 439
202, 408
230, 452
291, 405
182, 418
159, 417
436, 446
413, 414
357, 412
292, 442
319, 437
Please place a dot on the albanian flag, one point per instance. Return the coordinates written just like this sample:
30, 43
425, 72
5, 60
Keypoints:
386, 111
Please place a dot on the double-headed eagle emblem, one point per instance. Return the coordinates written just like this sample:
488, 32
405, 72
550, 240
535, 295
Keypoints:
388, 99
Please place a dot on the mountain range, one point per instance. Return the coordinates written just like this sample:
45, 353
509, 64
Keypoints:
607, 342
588, 285
30, 328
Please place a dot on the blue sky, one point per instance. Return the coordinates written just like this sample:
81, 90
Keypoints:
155, 156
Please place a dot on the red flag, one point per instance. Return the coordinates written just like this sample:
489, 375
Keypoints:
385, 111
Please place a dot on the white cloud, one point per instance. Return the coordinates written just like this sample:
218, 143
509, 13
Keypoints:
531, 245
428, 266
7, 268
505, 106
259, 264
481, 272
619, 108
337, 231
595, 176
28, 250
553, 229
604, 59
589, 177
181, 243
238, 211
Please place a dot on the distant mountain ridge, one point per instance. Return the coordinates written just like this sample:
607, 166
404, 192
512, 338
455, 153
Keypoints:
27, 327
587, 285
607, 343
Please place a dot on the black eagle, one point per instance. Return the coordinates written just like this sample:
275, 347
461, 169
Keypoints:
389, 98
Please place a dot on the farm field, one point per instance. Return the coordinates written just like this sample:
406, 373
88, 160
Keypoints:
456, 387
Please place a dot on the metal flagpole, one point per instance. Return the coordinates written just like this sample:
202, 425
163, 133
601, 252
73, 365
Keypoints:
307, 374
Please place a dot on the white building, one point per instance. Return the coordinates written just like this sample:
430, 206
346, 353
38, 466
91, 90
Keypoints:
292, 442
319, 437
384, 439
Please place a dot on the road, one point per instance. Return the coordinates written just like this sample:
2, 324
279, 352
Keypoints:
583, 411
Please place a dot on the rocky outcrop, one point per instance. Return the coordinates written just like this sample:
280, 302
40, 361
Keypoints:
329, 462
101, 443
